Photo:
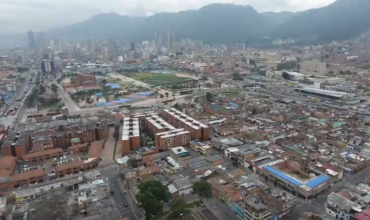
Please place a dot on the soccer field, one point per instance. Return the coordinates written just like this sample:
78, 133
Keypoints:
162, 79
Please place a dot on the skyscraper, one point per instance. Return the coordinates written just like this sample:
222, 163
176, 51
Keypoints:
158, 39
31, 40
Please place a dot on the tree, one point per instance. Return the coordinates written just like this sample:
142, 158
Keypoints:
209, 97
166, 93
42, 89
177, 206
254, 112
203, 189
161, 96
152, 208
203, 78
287, 65
151, 194
103, 82
21, 79
237, 76
116, 132
54, 88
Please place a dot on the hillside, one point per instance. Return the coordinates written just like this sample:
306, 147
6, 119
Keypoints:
344, 19
215, 23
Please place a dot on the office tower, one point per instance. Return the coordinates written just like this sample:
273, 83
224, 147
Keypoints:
47, 67
132, 45
41, 41
158, 39
169, 43
31, 40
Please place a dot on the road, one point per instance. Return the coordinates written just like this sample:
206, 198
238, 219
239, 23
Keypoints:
131, 212
9, 120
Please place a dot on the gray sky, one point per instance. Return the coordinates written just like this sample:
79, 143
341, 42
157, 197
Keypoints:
40, 15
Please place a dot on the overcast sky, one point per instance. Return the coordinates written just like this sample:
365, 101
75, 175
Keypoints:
40, 15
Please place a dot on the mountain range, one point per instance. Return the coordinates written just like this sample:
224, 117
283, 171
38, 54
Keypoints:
228, 23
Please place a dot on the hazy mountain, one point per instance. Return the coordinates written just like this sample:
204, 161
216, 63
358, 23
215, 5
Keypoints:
341, 20
228, 23
215, 23
278, 18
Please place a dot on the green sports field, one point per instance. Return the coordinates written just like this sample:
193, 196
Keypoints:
163, 79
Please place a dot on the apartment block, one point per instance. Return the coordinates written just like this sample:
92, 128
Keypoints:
198, 131
42, 156
154, 124
15, 149
313, 66
22, 180
174, 138
141, 118
76, 167
130, 134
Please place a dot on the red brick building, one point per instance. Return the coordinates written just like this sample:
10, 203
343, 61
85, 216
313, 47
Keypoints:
85, 80
130, 134
154, 124
42, 156
76, 167
198, 131
22, 180
173, 138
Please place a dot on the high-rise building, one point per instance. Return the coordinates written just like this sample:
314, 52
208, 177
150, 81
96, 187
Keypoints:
41, 41
132, 45
158, 39
47, 67
31, 40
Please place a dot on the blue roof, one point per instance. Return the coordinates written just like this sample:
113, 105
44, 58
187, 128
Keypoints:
283, 175
317, 181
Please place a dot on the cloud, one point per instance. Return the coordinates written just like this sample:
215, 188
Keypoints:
40, 15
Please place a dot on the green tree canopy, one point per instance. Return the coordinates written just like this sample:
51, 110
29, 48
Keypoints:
152, 207
209, 96
103, 82
151, 194
203, 189
177, 206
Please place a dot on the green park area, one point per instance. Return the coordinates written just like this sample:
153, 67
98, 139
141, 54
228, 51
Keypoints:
162, 79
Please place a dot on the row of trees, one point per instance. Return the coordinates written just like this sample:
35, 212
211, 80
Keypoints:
290, 65
152, 194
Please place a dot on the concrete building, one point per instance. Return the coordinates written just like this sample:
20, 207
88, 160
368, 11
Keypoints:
340, 207
183, 186
200, 147
47, 67
282, 172
130, 134
314, 66
174, 138
255, 209
179, 154
198, 131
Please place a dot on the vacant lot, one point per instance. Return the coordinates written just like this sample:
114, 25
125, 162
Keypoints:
162, 79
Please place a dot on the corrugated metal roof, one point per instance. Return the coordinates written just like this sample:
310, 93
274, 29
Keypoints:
283, 175
317, 181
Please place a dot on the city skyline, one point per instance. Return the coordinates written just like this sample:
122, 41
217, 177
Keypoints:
12, 12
